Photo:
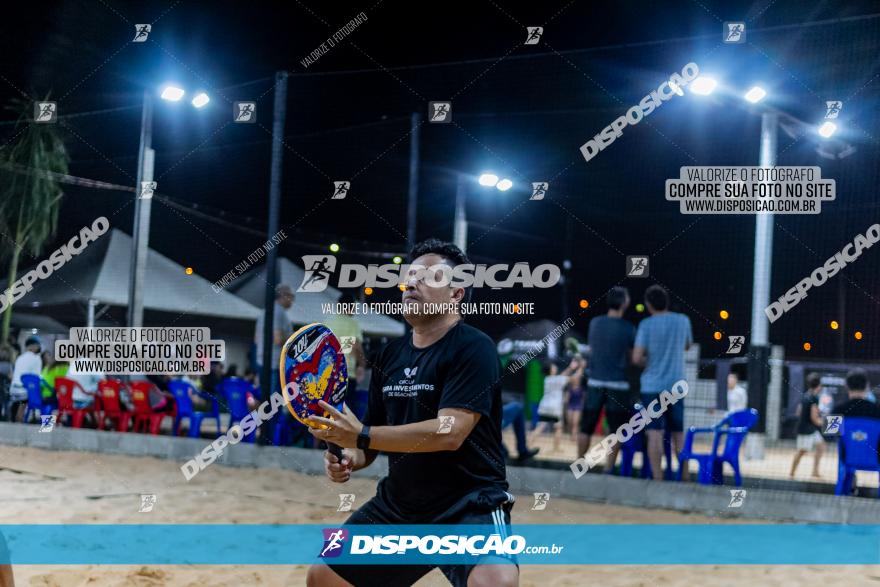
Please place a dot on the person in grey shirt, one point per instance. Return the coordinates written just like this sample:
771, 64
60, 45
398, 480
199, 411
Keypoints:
282, 328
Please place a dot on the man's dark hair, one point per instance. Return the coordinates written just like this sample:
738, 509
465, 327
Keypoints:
857, 380
657, 297
617, 297
450, 254
814, 380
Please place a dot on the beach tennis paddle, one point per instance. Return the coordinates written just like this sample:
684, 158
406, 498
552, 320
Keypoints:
313, 369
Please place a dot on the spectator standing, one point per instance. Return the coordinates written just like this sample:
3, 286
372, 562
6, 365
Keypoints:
737, 399
282, 328
551, 407
809, 425
661, 341
611, 340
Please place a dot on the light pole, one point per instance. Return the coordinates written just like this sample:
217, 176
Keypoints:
142, 207
459, 230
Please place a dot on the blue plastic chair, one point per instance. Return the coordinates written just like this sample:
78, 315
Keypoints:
35, 403
733, 428
181, 389
235, 390
857, 451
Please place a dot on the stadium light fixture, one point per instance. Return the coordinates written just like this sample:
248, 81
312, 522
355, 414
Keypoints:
200, 100
703, 85
834, 325
827, 129
724, 314
755, 95
504, 185
397, 260
488, 179
172, 93
334, 248
858, 335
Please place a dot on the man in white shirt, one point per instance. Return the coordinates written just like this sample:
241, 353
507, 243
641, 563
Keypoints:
27, 363
737, 399
89, 383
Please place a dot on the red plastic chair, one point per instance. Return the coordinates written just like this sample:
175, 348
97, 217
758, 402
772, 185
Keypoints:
110, 394
145, 418
64, 390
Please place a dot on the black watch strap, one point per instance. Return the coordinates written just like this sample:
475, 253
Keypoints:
363, 439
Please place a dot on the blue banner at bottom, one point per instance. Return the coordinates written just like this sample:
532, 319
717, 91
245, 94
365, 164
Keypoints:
568, 544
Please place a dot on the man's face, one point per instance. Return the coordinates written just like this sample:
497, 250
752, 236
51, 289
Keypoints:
285, 298
418, 290
732, 380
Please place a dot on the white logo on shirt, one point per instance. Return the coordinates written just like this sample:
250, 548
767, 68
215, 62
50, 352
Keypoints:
410, 373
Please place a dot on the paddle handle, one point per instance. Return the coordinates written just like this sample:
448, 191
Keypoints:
334, 450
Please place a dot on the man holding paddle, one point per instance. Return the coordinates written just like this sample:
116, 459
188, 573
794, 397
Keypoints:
435, 410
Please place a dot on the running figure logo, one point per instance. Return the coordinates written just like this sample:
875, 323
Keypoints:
446, 423
334, 538
346, 500
736, 344
539, 190
346, 344
440, 112
636, 266
147, 189
45, 112
147, 502
47, 422
737, 497
734, 32
832, 108
244, 112
319, 268
141, 32
340, 189
533, 34
541, 500
833, 424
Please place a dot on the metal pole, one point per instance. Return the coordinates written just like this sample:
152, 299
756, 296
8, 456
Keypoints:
841, 327
459, 231
269, 374
412, 215
140, 230
759, 352
90, 319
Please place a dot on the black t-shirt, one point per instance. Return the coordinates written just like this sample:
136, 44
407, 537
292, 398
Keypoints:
857, 408
408, 385
806, 424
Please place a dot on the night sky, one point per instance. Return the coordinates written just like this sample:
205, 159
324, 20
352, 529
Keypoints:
520, 110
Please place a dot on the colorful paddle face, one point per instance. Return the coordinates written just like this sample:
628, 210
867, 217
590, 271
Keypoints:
312, 368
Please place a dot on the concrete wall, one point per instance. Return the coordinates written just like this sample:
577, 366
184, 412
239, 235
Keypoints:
764, 504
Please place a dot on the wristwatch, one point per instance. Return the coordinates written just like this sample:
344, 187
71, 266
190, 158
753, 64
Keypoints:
363, 439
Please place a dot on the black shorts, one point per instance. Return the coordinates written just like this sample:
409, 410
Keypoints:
618, 408
376, 511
